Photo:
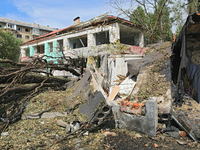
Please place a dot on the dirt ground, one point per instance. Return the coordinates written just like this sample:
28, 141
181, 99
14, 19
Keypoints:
42, 133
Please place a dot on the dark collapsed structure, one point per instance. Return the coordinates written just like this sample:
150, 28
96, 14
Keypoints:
186, 57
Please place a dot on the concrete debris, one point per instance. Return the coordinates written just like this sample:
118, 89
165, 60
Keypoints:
86, 133
181, 142
91, 105
146, 124
77, 143
135, 90
127, 85
110, 134
61, 123
44, 115
137, 135
5, 134
72, 126
75, 125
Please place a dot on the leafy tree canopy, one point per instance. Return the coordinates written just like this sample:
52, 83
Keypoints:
9, 46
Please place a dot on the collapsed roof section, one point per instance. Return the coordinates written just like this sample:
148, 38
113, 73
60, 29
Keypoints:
104, 19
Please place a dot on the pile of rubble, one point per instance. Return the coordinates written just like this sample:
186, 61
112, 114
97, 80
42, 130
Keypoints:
134, 92
138, 96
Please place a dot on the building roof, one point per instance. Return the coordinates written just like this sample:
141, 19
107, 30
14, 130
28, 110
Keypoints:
32, 25
92, 22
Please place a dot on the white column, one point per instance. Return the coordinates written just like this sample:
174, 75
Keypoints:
65, 44
90, 39
114, 32
22, 53
141, 39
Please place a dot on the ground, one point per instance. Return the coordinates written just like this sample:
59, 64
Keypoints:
43, 133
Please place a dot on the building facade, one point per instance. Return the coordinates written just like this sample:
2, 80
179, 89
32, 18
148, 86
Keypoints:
23, 30
85, 39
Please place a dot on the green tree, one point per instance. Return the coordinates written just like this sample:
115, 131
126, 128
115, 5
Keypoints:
193, 6
152, 15
161, 25
9, 46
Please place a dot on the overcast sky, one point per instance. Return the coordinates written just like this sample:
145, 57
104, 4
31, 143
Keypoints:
55, 13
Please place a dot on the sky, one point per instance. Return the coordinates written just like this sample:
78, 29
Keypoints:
55, 13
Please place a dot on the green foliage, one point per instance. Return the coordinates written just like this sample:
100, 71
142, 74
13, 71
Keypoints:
157, 22
142, 18
9, 46
192, 6
178, 29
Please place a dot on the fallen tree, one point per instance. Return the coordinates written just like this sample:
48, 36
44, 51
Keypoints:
21, 81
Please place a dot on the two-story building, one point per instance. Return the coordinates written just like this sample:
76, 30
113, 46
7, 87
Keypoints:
87, 38
23, 30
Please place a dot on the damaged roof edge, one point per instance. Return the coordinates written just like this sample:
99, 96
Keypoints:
191, 19
82, 24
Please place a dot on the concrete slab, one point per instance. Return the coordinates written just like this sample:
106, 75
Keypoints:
90, 107
44, 115
83, 82
127, 85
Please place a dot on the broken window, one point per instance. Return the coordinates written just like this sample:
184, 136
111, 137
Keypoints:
19, 29
19, 36
42, 32
59, 46
129, 36
78, 42
51, 47
1, 25
102, 38
40, 49
35, 31
27, 30
74, 45
27, 37
10, 26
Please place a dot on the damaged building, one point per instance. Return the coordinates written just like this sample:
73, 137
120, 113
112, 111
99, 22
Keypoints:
185, 74
122, 75
85, 39
186, 57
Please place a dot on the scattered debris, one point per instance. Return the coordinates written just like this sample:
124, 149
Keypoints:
5, 133
114, 93
110, 134
140, 100
61, 123
44, 115
181, 142
137, 135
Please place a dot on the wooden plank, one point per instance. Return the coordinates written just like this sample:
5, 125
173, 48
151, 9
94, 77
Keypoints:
114, 93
